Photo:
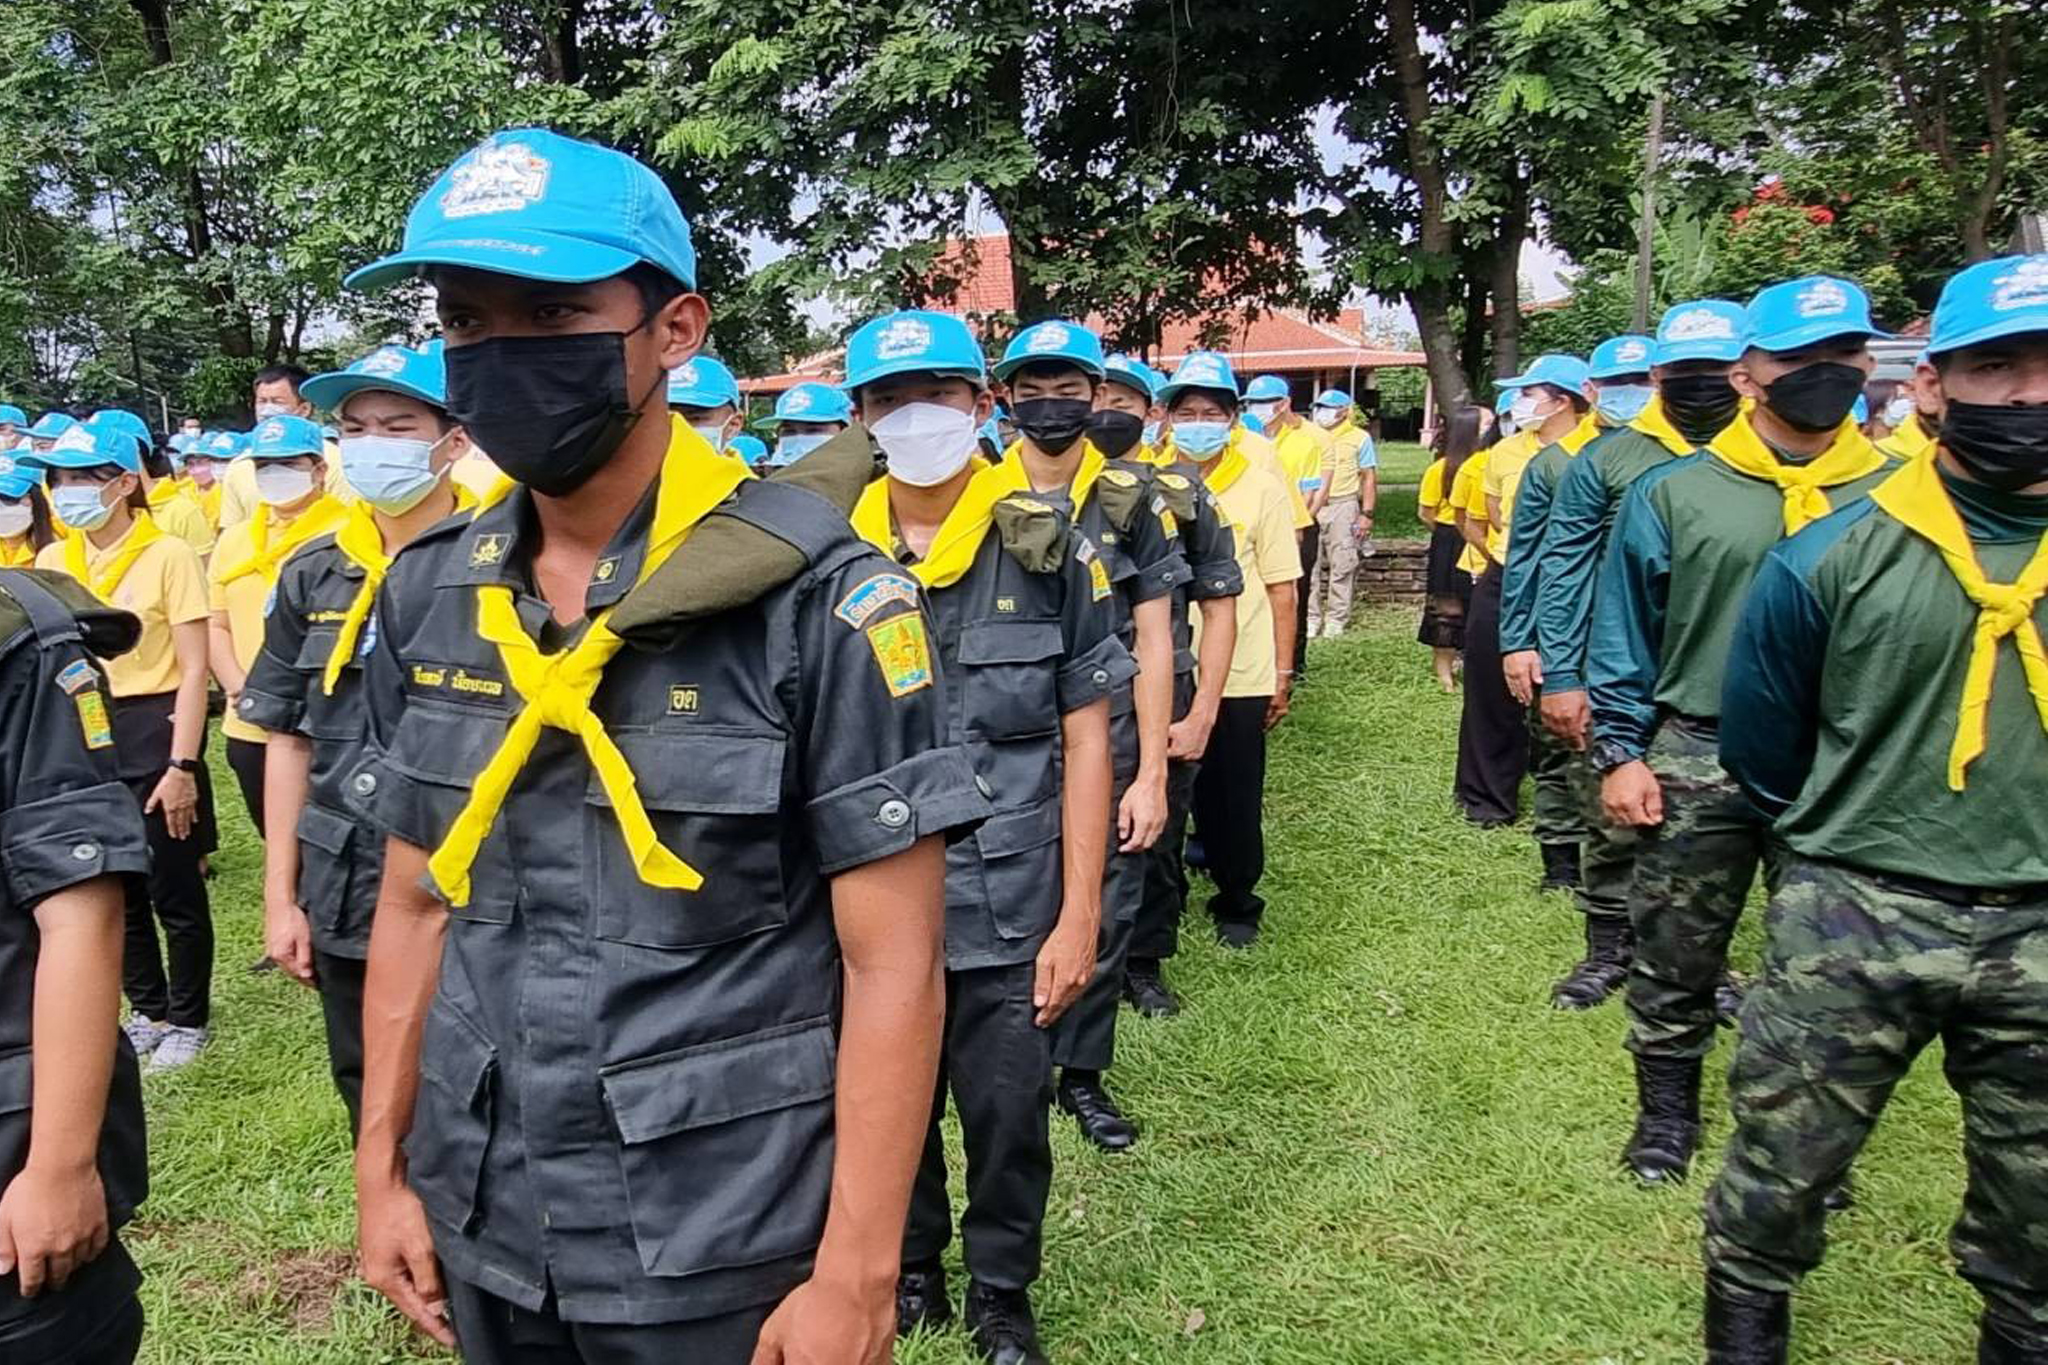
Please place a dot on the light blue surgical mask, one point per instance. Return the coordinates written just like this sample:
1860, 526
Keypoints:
714, 435
79, 506
790, 449
394, 474
1623, 403
1152, 434
1201, 439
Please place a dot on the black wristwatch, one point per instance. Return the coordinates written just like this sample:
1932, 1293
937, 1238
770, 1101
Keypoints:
185, 765
1608, 754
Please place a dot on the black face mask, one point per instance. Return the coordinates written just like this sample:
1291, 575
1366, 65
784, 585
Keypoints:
1699, 405
1115, 433
2001, 445
1816, 397
1052, 424
549, 411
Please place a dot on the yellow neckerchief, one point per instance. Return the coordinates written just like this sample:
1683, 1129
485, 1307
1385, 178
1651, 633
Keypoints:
142, 533
266, 558
1655, 423
1910, 440
1226, 469
958, 539
13, 558
362, 544
556, 688
1078, 489
163, 493
1915, 499
1850, 455
209, 502
1580, 436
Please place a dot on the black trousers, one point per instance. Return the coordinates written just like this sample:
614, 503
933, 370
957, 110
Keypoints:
1085, 1036
174, 894
1229, 805
341, 1007
116, 1340
245, 756
493, 1331
1157, 934
998, 1064
95, 1319
1493, 731
1311, 543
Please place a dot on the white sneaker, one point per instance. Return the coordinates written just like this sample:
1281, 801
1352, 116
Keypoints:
1315, 630
144, 1033
180, 1046
1332, 631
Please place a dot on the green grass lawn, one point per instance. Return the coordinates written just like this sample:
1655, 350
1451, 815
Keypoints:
1369, 1139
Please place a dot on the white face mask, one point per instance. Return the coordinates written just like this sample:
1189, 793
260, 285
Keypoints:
1268, 413
1623, 403
1898, 410
714, 435
926, 443
270, 407
15, 519
82, 506
1327, 418
393, 474
1524, 410
1201, 439
1507, 424
281, 485
790, 449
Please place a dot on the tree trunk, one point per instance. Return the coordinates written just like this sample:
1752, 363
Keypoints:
1436, 237
1505, 276
1431, 306
1472, 334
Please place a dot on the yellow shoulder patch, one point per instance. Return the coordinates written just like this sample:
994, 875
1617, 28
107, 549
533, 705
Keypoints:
903, 652
1098, 578
92, 719
1122, 478
1173, 481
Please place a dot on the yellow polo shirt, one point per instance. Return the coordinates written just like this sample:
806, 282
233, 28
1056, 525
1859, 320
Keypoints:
178, 512
1468, 495
164, 587
244, 601
1505, 461
1263, 525
1260, 451
1345, 477
1431, 500
1304, 451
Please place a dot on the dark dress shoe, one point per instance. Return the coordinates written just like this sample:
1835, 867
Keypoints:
1746, 1326
1149, 995
1102, 1123
1237, 933
921, 1301
1000, 1323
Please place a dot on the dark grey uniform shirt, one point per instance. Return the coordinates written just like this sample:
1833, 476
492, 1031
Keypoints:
65, 818
1208, 547
341, 853
1020, 649
1121, 518
626, 1092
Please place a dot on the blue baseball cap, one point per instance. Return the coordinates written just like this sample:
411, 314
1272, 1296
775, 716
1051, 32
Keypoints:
15, 482
221, 445
86, 445
1200, 370
1333, 398
286, 435
1058, 340
1701, 329
1134, 374
702, 381
1628, 353
1265, 388
914, 341
11, 416
183, 444
535, 204
811, 402
1252, 423
1503, 400
421, 374
123, 420
1784, 317
1566, 372
747, 449
51, 425
1991, 299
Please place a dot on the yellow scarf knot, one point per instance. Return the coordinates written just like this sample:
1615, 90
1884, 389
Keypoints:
1849, 456
141, 535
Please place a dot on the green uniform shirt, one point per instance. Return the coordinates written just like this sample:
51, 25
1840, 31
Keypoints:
1844, 680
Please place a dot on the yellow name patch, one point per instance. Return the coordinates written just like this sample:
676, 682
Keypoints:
904, 653
682, 700
92, 719
457, 681
1098, 579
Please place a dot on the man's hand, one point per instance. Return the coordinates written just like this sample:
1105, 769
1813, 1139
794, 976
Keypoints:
288, 939
397, 1254
1188, 738
1276, 708
1569, 716
177, 796
1631, 795
1065, 964
1361, 530
830, 1323
51, 1223
1141, 815
1524, 672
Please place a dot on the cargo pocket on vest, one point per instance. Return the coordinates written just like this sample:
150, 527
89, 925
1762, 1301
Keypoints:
1020, 861
452, 1117
425, 781
1010, 678
324, 842
727, 1148
713, 800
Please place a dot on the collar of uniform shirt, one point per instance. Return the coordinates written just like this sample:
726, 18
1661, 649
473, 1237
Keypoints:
1655, 423
1086, 471
1850, 455
142, 533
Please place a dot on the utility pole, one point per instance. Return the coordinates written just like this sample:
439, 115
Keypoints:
1646, 230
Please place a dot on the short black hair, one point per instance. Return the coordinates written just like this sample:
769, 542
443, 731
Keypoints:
1223, 396
156, 462
657, 287
1053, 365
270, 374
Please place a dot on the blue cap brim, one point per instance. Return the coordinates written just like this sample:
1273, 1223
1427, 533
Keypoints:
698, 398
330, 391
2019, 325
1811, 334
78, 459
889, 369
528, 255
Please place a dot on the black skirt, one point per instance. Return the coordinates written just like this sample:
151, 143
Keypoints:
1449, 588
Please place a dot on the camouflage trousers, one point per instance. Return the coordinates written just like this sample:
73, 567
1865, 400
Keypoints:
1557, 816
1607, 857
1692, 877
1860, 974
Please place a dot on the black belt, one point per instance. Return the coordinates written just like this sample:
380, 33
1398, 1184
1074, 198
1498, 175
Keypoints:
1949, 893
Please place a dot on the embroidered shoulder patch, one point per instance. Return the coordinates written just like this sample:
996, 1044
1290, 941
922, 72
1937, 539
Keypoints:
903, 652
488, 550
1122, 478
92, 719
858, 607
76, 676
1173, 481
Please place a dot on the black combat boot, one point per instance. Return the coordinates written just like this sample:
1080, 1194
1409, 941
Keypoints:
1560, 867
1610, 949
2005, 1343
1000, 1322
1746, 1326
1842, 1195
921, 1299
1148, 992
1102, 1123
1667, 1119
1728, 997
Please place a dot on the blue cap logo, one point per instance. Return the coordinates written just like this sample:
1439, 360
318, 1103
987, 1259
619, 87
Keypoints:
2025, 285
501, 177
798, 401
1132, 373
280, 438
902, 338
1265, 388
702, 382
382, 363
1702, 329
1048, 338
914, 341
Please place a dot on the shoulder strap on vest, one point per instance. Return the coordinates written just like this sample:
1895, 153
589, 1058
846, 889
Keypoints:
52, 621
